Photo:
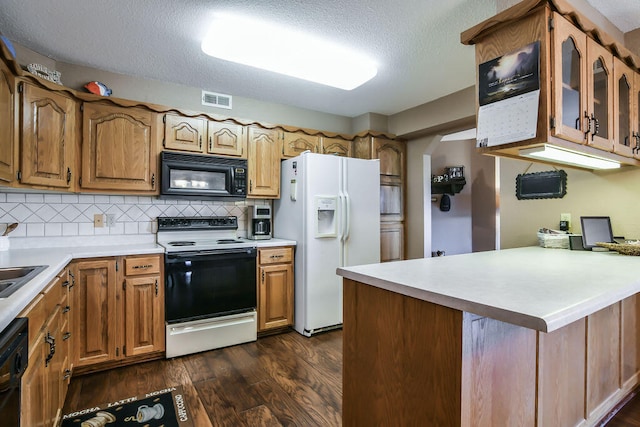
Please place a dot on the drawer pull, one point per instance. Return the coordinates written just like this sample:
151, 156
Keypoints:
66, 336
136, 267
277, 256
52, 348
65, 283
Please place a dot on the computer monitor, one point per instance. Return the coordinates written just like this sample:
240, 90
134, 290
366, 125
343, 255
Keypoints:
595, 229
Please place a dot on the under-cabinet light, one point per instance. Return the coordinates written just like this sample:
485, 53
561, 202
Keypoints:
285, 51
569, 157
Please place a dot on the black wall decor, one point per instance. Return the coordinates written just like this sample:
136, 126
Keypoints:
541, 185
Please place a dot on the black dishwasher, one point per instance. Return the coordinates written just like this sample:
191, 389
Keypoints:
14, 351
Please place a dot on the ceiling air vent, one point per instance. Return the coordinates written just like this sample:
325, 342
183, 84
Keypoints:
219, 100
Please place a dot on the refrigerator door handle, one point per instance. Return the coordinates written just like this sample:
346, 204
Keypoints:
347, 222
341, 214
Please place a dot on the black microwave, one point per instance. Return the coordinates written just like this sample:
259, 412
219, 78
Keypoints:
192, 176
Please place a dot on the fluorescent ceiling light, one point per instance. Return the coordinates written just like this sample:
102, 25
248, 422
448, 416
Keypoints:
569, 157
270, 47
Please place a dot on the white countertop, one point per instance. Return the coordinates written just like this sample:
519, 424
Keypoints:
58, 257
533, 287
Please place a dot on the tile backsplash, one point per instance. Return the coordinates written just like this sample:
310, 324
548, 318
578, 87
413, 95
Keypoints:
72, 215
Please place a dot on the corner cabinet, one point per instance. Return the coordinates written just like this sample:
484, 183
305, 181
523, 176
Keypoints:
275, 288
263, 163
47, 134
46, 379
119, 316
119, 149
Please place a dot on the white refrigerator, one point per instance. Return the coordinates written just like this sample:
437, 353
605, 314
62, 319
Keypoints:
330, 206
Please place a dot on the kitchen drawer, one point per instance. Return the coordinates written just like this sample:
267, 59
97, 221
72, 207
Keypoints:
135, 266
275, 255
53, 295
35, 313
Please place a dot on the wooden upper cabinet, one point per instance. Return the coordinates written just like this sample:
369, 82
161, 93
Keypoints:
392, 170
335, 146
184, 133
7, 142
363, 148
227, 139
119, 149
200, 135
48, 137
600, 96
293, 144
623, 127
570, 81
263, 163
583, 87
391, 155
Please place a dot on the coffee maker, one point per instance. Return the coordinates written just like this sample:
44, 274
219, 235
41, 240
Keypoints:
259, 223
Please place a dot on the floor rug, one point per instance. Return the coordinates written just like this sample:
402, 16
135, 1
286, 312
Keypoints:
162, 408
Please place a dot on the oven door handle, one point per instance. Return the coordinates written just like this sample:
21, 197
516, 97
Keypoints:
248, 252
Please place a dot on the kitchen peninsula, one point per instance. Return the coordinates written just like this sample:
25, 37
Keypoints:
525, 336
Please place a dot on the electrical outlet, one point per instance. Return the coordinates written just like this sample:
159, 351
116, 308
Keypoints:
111, 220
98, 220
566, 217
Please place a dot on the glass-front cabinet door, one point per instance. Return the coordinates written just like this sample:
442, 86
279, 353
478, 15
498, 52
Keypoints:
570, 81
599, 96
623, 86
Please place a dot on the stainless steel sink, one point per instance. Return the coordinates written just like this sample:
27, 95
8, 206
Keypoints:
12, 278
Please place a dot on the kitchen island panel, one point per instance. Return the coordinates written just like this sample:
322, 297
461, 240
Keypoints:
402, 360
603, 360
562, 368
499, 373
630, 342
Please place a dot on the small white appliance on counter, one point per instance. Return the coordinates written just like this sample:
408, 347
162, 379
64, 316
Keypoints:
331, 206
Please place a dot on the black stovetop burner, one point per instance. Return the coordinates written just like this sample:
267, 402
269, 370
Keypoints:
227, 241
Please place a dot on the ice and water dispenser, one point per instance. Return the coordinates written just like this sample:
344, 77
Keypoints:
326, 216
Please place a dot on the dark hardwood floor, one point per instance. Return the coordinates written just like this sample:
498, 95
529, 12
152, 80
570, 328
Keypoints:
280, 380
284, 379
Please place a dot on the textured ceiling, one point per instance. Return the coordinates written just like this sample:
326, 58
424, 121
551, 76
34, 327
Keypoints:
415, 42
624, 14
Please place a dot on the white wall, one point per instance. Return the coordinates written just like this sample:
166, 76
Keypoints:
615, 194
451, 231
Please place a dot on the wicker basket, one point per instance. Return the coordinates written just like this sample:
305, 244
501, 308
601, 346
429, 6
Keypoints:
622, 248
554, 241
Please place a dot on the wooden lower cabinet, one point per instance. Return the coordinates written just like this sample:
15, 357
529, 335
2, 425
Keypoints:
630, 342
45, 382
479, 371
391, 241
119, 311
275, 288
